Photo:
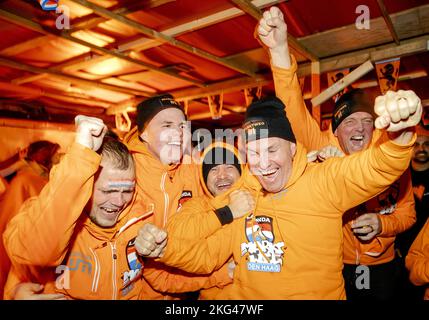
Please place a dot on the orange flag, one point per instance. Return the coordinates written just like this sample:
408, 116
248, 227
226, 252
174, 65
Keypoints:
387, 73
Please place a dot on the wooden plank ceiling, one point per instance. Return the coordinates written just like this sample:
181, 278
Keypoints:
118, 52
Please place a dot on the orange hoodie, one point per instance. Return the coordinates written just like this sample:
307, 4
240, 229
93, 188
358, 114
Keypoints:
395, 206
168, 188
3, 187
290, 247
53, 235
417, 260
28, 182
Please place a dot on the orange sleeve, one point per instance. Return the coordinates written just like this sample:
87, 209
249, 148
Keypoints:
196, 220
404, 215
417, 260
170, 280
305, 127
40, 233
201, 256
364, 174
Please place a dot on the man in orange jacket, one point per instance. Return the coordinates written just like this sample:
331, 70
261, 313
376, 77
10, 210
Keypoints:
290, 245
417, 260
420, 180
28, 182
165, 177
94, 242
220, 169
76, 237
370, 229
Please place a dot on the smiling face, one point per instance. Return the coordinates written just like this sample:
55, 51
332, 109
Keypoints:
270, 160
420, 160
164, 135
112, 192
355, 132
221, 178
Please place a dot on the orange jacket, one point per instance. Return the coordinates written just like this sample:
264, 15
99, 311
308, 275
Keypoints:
395, 206
290, 247
190, 226
3, 187
28, 182
168, 188
54, 230
417, 260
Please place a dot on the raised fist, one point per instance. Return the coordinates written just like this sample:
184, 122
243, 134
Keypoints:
241, 202
151, 241
272, 29
324, 153
397, 110
90, 131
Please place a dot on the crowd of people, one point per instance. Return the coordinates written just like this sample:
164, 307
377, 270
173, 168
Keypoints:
285, 211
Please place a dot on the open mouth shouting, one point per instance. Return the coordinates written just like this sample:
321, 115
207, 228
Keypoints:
223, 185
110, 213
358, 141
269, 174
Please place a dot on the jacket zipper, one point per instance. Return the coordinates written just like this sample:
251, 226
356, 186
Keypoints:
166, 199
97, 271
114, 258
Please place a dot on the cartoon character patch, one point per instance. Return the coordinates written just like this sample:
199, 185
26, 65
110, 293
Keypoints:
388, 200
134, 265
186, 195
263, 254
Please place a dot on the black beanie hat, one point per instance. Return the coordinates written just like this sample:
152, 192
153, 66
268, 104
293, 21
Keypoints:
149, 108
352, 101
269, 114
218, 156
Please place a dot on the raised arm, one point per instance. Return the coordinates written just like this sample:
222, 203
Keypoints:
272, 31
368, 173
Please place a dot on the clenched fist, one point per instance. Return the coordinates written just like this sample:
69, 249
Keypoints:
397, 110
241, 202
324, 153
367, 226
90, 131
151, 241
272, 28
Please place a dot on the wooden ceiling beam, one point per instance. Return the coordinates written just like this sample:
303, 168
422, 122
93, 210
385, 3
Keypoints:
162, 37
256, 13
89, 83
93, 20
407, 47
39, 125
24, 46
388, 21
8, 16
127, 47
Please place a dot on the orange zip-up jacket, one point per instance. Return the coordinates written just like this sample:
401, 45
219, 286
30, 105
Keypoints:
189, 226
168, 188
28, 182
3, 186
395, 206
290, 247
54, 230
417, 260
